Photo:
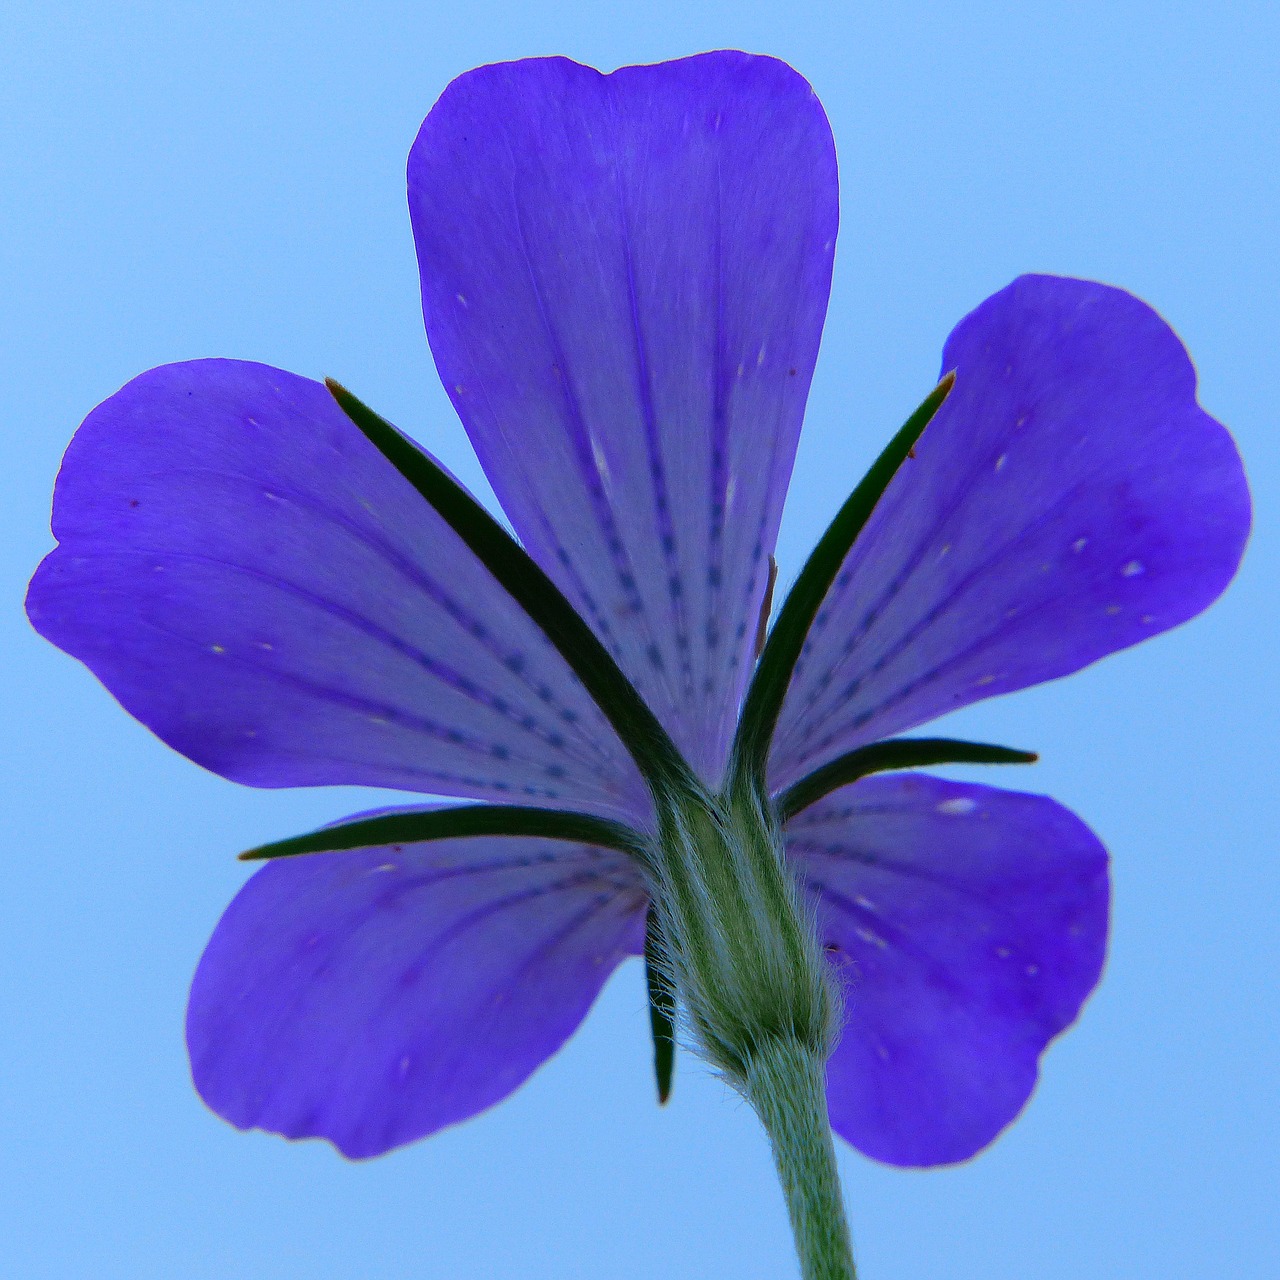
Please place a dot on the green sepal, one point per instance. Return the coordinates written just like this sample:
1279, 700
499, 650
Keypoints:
662, 1009
657, 757
450, 823
773, 673
892, 753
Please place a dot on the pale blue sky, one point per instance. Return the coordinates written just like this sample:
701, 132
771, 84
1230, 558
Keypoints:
179, 180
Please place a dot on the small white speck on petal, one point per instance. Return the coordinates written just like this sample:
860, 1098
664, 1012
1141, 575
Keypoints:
265, 644
1001, 460
386, 866
1148, 618
404, 1066
460, 298
865, 903
958, 805
1003, 952
981, 680
742, 368
872, 939
946, 547
1079, 545
216, 648
1112, 610
1133, 569
1032, 970
760, 357
602, 464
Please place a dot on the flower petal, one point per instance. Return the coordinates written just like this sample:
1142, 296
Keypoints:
255, 583
624, 280
375, 996
967, 926
1070, 498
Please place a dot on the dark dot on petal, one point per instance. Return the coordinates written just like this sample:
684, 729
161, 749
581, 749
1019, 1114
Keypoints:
500, 752
569, 717
654, 656
544, 692
713, 577
555, 741
133, 502
791, 373
515, 662
555, 771
675, 587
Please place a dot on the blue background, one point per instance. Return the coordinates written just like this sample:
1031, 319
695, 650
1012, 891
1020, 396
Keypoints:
179, 180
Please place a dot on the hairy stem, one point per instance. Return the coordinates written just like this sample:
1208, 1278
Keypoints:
785, 1084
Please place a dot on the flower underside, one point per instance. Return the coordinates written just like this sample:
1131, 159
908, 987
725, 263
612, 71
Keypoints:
624, 282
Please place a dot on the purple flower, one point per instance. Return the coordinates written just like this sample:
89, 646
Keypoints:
624, 280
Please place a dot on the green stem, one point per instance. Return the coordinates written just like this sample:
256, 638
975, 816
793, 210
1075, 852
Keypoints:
786, 1085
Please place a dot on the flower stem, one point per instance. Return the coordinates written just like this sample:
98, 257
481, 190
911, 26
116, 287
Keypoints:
785, 1084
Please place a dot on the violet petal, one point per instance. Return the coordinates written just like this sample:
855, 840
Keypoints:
1070, 499
255, 583
375, 996
967, 926
624, 281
